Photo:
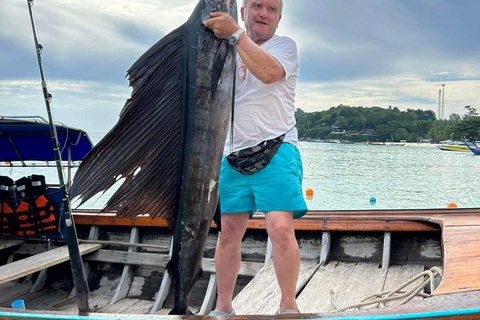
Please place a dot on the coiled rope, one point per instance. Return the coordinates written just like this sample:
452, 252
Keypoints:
381, 298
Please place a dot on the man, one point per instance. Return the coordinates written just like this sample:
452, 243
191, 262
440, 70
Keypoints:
267, 70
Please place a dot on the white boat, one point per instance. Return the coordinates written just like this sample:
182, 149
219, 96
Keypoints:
453, 147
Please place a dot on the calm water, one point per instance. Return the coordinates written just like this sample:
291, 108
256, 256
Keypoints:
345, 176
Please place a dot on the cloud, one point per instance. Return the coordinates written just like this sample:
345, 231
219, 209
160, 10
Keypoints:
369, 53
402, 92
92, 106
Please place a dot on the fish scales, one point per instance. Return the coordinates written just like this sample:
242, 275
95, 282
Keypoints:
208, 124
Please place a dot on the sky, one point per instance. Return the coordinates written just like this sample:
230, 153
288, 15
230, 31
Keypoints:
354, 52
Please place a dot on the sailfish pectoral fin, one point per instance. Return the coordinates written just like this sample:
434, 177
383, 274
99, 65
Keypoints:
220, 58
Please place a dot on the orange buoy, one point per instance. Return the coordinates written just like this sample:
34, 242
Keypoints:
452, 205
309, 192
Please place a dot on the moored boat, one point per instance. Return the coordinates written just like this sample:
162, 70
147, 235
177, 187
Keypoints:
352, 253
475, 149
447, 147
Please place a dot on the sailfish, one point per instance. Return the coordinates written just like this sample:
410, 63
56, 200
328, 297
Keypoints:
167, 144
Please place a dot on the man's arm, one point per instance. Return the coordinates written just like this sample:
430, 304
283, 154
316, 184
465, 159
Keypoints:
260, 63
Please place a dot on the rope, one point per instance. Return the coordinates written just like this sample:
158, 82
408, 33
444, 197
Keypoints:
381, 298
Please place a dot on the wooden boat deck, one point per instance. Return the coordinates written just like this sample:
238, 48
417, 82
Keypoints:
461, 258
460, 234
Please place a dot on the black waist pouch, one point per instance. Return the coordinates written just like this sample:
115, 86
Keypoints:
250, 160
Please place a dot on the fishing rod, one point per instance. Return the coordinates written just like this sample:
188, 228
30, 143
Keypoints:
76, 263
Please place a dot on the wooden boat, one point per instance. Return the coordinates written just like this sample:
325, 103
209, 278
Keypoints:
353, 254
475, 149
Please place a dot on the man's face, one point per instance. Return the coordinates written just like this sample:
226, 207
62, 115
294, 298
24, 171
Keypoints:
261, 19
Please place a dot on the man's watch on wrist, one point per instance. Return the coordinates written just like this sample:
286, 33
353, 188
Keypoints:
233, 39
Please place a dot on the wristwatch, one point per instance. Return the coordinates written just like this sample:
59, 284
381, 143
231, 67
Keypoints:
233, 39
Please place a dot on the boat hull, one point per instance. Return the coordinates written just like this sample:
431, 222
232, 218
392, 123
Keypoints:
357, 245
453, 148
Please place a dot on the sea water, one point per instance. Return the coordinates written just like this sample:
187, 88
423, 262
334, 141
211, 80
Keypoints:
347, 176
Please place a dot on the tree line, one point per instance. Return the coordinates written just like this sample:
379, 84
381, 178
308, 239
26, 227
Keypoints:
386, 124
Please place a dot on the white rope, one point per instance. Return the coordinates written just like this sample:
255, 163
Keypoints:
396, 294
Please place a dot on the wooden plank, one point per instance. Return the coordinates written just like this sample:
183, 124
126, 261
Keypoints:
97, 301
366, 278
325, 248
38, 285
45, 300
21, 268
461, 271
118, 307
262, 294
127, 273
269, 252
140, 307
207, 304
330, 221
387, 245
398, 275
160, 260
164, 286
12, 291
379, 220
315, 297
8, 243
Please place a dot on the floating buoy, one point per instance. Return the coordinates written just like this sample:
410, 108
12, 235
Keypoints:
373, 199
451, 205
309, 192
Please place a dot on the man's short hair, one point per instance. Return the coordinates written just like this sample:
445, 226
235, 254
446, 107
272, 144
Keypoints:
245, 2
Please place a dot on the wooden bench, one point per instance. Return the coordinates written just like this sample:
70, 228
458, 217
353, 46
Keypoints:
38, 262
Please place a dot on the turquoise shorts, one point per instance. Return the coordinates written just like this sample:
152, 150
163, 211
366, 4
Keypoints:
277, 187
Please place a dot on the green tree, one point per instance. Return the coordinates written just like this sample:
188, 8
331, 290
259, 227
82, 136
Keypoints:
401, 134
437, 133
413, 138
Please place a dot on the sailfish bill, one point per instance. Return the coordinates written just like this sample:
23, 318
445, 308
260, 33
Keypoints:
167, 144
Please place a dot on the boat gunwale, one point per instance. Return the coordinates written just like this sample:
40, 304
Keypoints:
339, 220
452, 306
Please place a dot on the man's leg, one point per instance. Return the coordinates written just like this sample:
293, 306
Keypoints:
286, 255
228, 257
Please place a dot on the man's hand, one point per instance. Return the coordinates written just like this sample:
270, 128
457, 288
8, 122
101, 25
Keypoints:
222, 24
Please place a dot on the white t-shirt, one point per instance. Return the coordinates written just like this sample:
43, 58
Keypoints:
265, 111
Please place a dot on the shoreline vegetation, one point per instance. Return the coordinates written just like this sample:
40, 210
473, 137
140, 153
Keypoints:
374, 124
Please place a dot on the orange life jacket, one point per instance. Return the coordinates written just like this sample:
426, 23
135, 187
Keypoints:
35, 214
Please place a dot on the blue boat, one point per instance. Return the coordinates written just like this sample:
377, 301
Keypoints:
26, 139
475, 149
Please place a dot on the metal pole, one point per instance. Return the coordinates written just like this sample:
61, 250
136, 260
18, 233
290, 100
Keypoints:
439, 104
76, 263
443, 99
